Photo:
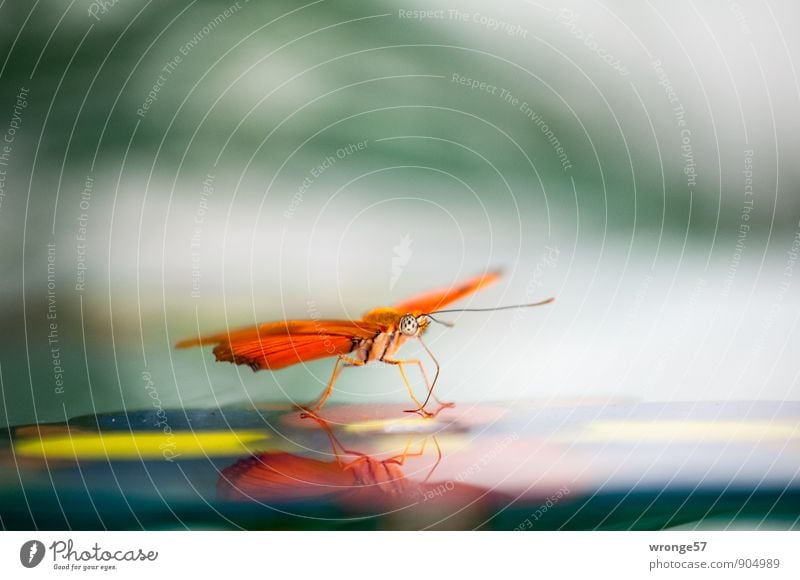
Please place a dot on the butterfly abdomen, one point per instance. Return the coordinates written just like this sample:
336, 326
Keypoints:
382, 345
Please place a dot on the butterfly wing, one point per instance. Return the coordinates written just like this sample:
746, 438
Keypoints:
276, 345
437, 299
288, 477
282, 351
282, 477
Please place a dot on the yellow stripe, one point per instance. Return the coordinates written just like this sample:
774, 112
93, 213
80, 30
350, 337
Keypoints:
143, 445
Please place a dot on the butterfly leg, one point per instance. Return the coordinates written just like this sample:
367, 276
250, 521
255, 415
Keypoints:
420, 406
438, 459
336, 445
400, 459
399, 364
428, 383
311, 409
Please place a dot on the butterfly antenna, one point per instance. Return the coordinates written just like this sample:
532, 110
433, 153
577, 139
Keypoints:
494, 309
442, 322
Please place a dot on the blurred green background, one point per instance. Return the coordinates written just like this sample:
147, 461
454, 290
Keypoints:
175, 167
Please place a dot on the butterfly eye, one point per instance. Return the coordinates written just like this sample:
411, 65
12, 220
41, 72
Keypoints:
408, 325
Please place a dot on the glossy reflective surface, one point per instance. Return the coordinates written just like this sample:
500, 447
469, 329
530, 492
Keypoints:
573, 464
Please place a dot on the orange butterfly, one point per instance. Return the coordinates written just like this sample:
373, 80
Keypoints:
374, 338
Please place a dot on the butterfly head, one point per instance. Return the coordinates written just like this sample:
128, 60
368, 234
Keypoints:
410, 325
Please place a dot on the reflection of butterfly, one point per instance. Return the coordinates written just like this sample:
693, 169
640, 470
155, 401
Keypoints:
363, 485
374, 338
285, 476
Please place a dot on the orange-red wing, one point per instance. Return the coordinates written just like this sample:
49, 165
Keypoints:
276, 345
283, 476
352, 328
440, 298
277, 352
